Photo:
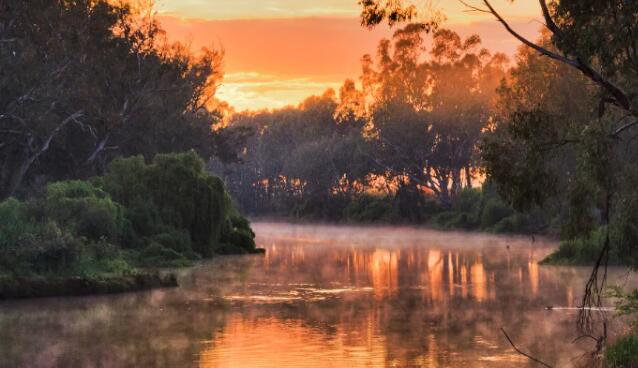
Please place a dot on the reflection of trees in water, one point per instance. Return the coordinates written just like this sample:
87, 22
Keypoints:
411, 304
428, 306
133, 331
163, 328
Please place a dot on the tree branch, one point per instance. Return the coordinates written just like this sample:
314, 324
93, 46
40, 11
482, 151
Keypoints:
47, 142
522, 353
549, 22
620, 98
624, 127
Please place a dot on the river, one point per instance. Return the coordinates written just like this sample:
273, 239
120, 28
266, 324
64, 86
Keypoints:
324, 296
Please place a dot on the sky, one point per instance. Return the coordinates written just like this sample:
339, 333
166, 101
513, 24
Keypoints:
277, 52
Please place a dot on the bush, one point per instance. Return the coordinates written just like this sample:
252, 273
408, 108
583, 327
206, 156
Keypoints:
237, 237
623, 353
494, 211
581, 250
47, 250
177, 240
159, 256
14, 222
166, 214
468, 201
368, 209
84, 209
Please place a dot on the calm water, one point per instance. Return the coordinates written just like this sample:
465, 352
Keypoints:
322, 296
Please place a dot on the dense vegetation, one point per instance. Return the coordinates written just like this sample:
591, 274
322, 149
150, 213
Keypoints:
86, 83
403, 147
167, 213
566, 138
95, 103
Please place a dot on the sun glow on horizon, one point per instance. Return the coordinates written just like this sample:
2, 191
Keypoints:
278, 52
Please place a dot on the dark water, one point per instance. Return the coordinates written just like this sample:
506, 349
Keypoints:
323, 296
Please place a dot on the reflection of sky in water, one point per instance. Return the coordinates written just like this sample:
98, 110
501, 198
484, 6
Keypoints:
322, 296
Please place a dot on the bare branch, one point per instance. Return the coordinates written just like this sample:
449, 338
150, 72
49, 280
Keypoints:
47, 142
625, 127
474, 8
100, 147
522, 353
620, 98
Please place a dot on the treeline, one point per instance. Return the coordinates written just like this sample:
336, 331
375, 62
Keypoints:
105, 128
401, 146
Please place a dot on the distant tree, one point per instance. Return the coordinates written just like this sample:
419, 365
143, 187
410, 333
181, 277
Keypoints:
427, 113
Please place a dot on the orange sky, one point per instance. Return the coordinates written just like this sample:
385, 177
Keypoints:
280, 51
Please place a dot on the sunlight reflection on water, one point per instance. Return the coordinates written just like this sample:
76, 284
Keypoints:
322, 296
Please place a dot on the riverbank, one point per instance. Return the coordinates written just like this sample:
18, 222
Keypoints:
38, 287
111, 233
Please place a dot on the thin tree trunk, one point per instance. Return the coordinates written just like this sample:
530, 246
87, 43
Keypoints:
468, 177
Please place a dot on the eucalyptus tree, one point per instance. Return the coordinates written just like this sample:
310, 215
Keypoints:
584, 148
85, 80
428, 109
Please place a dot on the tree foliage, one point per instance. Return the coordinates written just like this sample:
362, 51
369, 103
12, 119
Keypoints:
84, 81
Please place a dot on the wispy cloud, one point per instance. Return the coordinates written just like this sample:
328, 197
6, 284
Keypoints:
253, 91
280, 51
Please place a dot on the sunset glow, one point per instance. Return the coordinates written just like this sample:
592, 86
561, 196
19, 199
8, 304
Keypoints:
280, 51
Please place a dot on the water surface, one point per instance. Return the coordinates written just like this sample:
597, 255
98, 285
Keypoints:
323, 296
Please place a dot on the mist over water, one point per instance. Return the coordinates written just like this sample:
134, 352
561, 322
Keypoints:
324, 296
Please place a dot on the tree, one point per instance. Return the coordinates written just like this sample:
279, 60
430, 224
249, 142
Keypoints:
598, 41
427, 114
86, 80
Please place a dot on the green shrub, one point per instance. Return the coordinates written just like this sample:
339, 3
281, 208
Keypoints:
515, 223
237, 237
47, 249
468, 201
14, 222
494, 211
177, 240
368, 209
172, 194
582, 250
623, 353
84, 209
157, 255
166, 213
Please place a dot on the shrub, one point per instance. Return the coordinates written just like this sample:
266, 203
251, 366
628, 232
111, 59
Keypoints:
177, 240
623, 353
237, 237
493, 212
14, 222
581, 250
159, 256
84, 209
46, 249
468, 201
368, 209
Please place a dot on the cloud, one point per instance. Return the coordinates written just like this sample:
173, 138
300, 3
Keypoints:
276, 62
253, 91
